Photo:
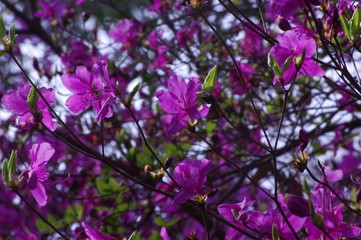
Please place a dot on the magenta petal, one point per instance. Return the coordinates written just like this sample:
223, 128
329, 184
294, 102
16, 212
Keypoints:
40, 154
49, 95
198, 111
164, 234
310, 68
80, 82
168, 102
26, 121
178, 122
39, 194
94, 234
76, 104
183, 195
191, 92
33, 181
289, 75
15, 102
48, 120
177, 85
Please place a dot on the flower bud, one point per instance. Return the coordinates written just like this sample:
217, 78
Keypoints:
303, 139
283, 24
298, 206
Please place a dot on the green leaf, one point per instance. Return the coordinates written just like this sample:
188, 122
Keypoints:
210, 80
272, 63
70, 215
2, 52
275, 235
12, 36
132, 94
79, 209
159, 221
32, 100
155, 235
12, 164
354, 23
345, 25
2, 28
162, 223
42, 226
5, 172
107, 187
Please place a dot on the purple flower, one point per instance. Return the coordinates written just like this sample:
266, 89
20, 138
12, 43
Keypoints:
36, 174
239, 215
94, 234
78, 54
332, 218
180, 101
91, 88
191, 175
285, 8
303, 137
51, 10
16, 102
126, 32
159, 6
292, 45
187, 33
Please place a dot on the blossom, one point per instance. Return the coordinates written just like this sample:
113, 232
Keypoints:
51, 10
332, 218
36, 174
191, 175
78, 54
126, 32
292, 45
94, 234
180, 100
285, 8
90, 88
187, 33
16, 102
159, 6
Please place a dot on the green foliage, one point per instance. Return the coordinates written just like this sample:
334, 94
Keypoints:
74, 214
352, 28
107, 187
210, 80
131, 95
44, 227
163, 223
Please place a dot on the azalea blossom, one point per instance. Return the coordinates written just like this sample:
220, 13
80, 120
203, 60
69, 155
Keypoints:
36, 174
16, 102
191, 175
292, 45
180, 100
126, 32
91, 88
